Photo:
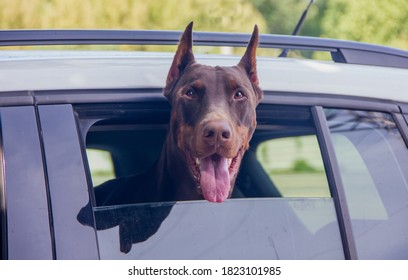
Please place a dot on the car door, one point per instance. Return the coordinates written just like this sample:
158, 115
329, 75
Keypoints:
341, 218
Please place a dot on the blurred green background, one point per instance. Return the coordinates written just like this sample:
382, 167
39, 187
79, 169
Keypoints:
373, 21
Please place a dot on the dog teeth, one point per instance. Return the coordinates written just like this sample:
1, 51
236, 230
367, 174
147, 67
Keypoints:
197, 161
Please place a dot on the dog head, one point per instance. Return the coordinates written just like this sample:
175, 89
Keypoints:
213, 115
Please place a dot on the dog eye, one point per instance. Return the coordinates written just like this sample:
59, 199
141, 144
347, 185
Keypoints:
239, 95
190, 93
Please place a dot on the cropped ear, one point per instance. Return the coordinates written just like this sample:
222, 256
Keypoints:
248, 61
183, 58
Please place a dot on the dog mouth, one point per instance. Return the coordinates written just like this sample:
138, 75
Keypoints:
213, 174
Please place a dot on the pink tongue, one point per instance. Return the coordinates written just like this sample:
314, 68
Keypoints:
215, 180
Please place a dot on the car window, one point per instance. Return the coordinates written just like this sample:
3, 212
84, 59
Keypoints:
295, 165
373, 157
264, 218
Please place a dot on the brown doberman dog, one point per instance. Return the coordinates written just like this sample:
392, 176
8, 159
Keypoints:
212, 121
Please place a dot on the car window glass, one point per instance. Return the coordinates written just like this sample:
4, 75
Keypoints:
372, 157
295, 165
271, 228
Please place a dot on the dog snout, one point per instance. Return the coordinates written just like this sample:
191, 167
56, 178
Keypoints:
217, 132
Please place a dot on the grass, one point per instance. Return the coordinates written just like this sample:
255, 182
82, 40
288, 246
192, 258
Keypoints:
302, 184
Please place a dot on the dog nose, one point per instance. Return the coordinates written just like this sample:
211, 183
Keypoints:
217, 131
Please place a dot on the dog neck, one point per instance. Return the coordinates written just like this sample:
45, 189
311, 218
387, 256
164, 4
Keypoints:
173, 183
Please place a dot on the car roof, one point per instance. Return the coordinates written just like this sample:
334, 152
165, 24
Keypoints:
69, 70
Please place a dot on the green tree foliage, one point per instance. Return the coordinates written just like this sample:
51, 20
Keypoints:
282, 16
374, 21
209, 15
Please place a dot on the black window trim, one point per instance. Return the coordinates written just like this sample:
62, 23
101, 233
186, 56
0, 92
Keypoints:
335, 182
402, 126
330, 100
3, 209
61, 190
117, 95
42, 221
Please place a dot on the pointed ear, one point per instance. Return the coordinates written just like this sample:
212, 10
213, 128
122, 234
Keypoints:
248, 61
183, 57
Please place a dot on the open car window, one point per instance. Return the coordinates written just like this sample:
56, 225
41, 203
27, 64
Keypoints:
101, 165
295, 165
284, 159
